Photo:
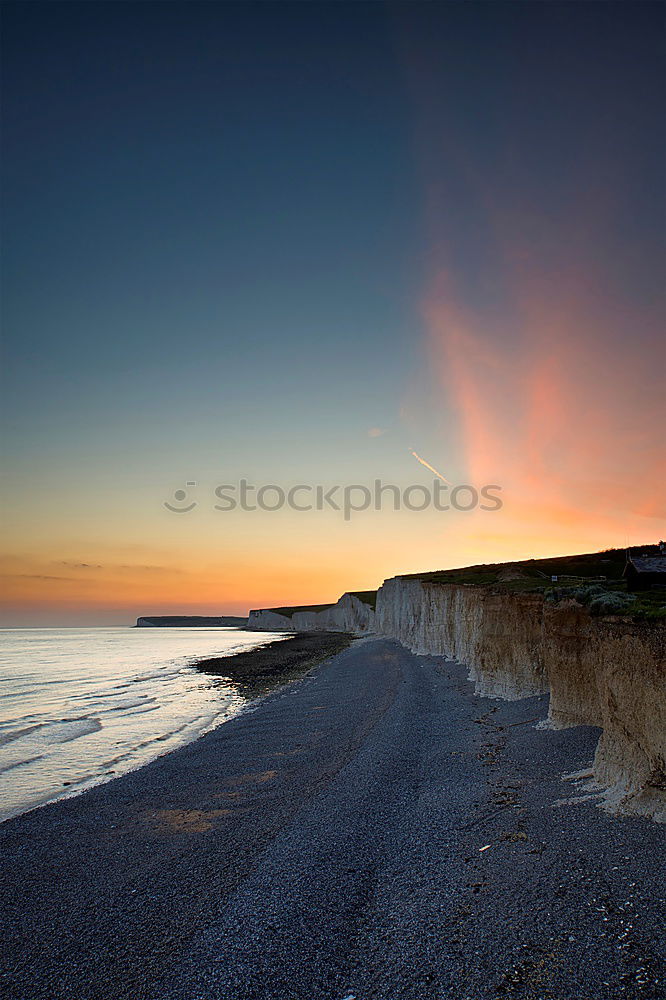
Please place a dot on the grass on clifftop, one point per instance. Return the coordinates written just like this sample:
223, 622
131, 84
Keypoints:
609, 563
289, 612
594, 575
366, 596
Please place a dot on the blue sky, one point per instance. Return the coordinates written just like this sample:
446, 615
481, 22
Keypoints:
227, 228
204, 203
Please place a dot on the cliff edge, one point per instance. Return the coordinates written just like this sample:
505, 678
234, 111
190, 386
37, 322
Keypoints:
608, 672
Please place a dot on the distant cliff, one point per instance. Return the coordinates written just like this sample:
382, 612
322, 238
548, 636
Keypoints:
190, 621
354, 612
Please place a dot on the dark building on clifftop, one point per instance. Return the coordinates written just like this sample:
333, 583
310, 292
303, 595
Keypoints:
646, 569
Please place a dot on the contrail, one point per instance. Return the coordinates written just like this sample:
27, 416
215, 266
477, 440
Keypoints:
429, 466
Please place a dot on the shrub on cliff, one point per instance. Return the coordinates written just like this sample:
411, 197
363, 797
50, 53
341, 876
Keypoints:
595, 597
611, 604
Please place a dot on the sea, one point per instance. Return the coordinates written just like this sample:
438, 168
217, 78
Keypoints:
79, 706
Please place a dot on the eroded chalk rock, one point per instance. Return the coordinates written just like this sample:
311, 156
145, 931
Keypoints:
604, 672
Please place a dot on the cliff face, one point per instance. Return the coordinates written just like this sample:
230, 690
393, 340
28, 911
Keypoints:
348, 615
600, 672
616, 679
498, 641
603, 672
269, 621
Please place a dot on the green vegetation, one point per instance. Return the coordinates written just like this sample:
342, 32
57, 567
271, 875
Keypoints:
612, 599
649, 605
594, 579
290, 612
366, 596
609, 564
599, 599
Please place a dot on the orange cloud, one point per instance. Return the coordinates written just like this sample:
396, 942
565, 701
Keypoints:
561, 408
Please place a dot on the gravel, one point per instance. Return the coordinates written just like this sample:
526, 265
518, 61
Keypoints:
371, 831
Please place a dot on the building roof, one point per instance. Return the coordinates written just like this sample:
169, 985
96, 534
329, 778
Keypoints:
647, 563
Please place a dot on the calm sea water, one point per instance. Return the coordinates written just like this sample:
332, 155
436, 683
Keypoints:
80, 706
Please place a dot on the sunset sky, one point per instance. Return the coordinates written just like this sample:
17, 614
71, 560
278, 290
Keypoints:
295, 243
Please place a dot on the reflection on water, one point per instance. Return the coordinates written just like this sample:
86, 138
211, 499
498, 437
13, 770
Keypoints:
80, 706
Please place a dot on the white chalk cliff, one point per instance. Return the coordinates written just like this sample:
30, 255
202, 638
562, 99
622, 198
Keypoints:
603, 672
349, 614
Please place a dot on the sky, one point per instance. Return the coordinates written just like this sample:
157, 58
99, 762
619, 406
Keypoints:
295, 244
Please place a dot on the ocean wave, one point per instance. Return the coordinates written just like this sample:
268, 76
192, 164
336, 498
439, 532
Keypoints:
69, 729
124, 706
60, 691
133, 751
98, 695
19, 763
160, 675
9, 736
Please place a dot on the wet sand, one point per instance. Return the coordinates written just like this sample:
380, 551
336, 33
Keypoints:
257, 671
